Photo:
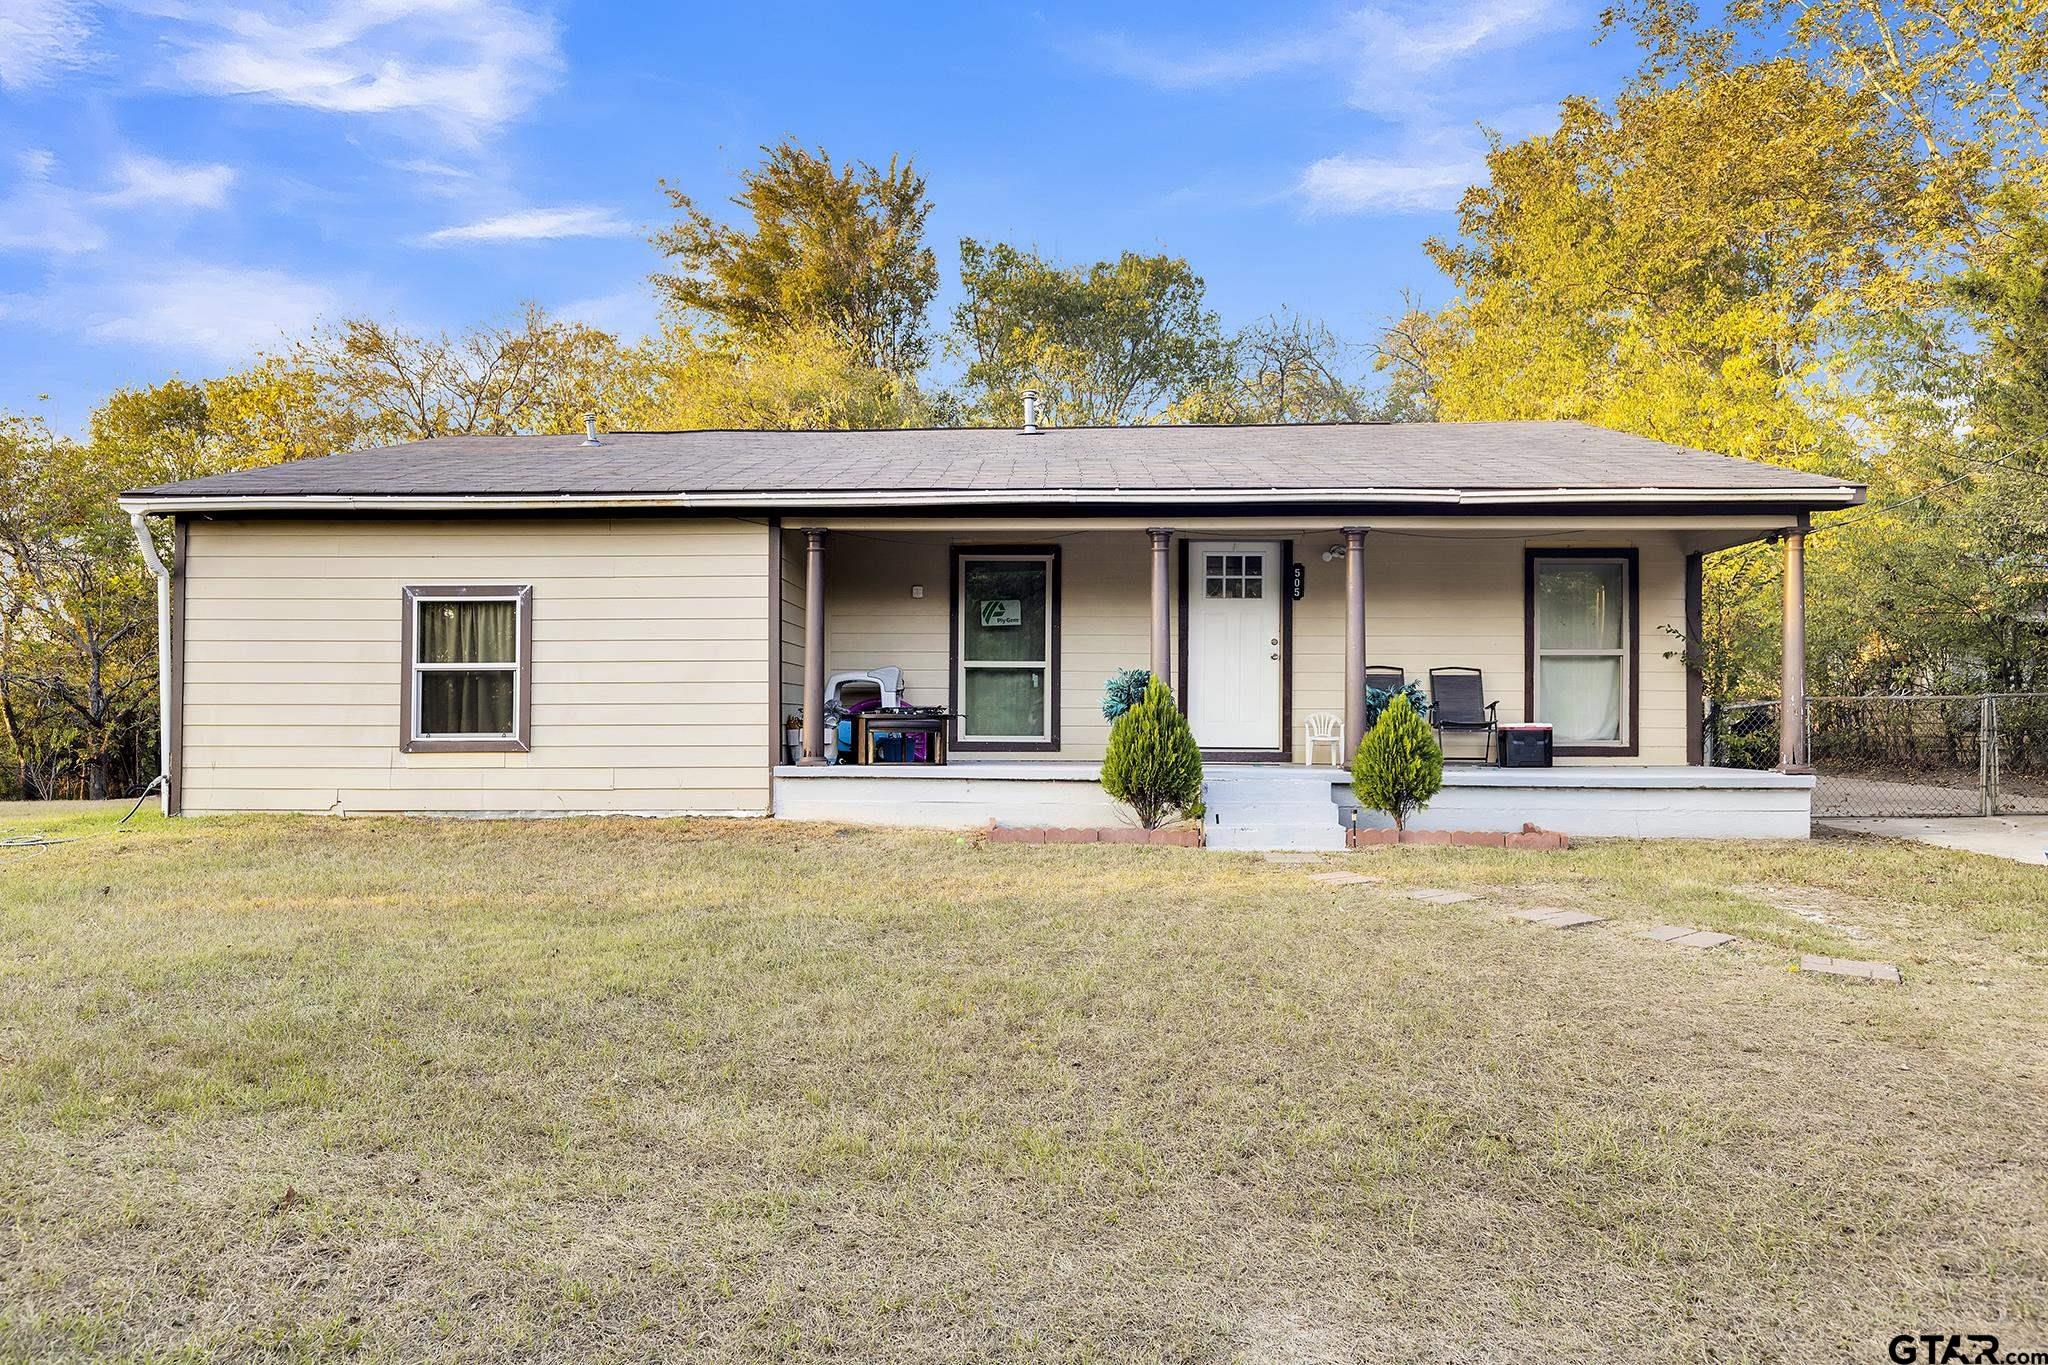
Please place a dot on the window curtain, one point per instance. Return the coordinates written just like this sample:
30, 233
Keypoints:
1580, 641
467, 701
1582, 699
460, 702
469, 632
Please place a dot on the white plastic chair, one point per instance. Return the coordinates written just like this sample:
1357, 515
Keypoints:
1324, 727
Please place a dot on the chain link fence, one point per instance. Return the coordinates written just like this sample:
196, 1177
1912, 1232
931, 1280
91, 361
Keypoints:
1985, 754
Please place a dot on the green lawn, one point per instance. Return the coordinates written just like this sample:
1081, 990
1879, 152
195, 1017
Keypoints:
290, 1088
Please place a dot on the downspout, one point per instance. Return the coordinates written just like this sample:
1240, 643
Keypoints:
147, 544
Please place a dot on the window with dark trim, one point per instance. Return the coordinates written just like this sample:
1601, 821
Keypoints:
1584, 669
1006, 635
468, 660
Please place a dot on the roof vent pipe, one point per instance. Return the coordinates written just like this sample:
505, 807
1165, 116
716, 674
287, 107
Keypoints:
1030, 412
590, 430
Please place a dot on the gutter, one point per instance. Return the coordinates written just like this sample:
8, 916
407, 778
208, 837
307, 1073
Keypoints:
147, 544
1845, 495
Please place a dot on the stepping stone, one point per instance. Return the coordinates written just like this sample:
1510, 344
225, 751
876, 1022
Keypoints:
1343, 878
1293, 857
1438, 896
1689, 938
1551, 918
1885, 972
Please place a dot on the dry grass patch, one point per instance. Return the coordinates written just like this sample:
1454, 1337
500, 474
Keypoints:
617, 1089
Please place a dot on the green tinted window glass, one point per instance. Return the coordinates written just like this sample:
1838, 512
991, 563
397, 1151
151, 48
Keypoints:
1004, 610
1004, 702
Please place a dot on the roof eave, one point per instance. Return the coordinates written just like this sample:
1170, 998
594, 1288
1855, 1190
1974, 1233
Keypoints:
153, 504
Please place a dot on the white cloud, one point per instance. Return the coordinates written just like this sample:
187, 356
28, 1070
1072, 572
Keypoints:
1407, 63
142, 179
464, 66
225, 313
1357, 184
1197, 68
536, 224
1387, 54
39, 38
39, 215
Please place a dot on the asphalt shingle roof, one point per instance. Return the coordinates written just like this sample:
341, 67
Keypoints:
1498, 456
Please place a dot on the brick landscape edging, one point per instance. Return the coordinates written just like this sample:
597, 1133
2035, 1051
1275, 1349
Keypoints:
1037, 834
1531, 838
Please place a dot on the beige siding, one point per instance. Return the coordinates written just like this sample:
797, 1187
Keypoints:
1434, 601
872, 618
791, 637
650, 669
1431, 601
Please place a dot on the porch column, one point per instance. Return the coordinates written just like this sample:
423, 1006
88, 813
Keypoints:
1162, 630
814, 645
1792, 755
1354, 640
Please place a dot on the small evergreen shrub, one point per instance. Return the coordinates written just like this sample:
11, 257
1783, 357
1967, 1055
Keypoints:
1123, 690
1153, 764
1398, 766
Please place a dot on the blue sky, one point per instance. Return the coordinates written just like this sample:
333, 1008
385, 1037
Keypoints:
184, 182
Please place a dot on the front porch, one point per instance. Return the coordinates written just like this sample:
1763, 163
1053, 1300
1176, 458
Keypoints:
1006, 630
1642, 802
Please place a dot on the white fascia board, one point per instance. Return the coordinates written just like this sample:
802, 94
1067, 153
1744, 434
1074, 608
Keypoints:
1846, 495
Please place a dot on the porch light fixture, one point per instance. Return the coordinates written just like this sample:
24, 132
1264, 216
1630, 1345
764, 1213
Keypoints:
1335, 552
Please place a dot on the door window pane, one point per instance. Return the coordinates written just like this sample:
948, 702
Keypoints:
1004, 703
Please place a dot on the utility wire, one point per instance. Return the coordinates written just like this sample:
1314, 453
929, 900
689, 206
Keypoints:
1967, 474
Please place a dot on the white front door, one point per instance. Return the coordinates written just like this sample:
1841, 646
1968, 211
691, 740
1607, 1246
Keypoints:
1233, 682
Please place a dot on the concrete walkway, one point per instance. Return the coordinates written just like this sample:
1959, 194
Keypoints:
2022, 838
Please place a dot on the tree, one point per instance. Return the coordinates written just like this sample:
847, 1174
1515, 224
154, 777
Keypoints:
1287, 368
801, 380
536, 374
837, 250
1106, 344
1398, 768
273, 411
77, 625
1153, 764
1692, 266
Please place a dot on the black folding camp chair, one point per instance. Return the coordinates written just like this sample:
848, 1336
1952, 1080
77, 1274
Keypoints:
1457, 702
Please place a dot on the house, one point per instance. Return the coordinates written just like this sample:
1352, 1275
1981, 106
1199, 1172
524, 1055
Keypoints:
623, 622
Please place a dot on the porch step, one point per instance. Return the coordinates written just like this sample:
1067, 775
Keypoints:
1270, 808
